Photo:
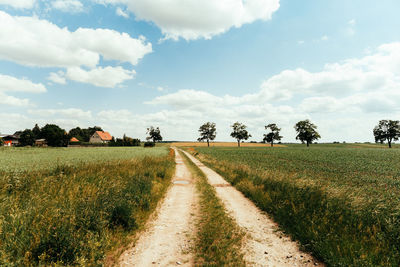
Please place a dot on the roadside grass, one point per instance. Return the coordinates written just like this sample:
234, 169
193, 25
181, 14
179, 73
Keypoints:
219, 239
76, 214
342, 204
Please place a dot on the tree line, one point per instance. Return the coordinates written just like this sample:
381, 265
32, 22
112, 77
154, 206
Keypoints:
55, 136
306, 132
386, 131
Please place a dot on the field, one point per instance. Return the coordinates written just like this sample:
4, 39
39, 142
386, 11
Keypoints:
340, 201
75, 206
221, 144
27, 159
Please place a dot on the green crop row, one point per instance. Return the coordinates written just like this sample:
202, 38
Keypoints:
75, 214
342, 204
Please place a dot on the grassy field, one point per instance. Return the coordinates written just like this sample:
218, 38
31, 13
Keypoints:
28, 159
73, 206
340, 201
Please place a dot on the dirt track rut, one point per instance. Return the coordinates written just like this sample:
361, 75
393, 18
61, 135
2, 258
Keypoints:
169, 236
264, 245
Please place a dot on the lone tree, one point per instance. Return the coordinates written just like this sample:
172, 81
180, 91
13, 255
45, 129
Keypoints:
306, 132
154, 134
273, 134
207, 132
387, 130
240, 132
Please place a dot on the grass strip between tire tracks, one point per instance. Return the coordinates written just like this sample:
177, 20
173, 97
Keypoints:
219, 238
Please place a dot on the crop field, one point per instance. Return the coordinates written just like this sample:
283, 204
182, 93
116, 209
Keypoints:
25, 159
340, 201
76, 206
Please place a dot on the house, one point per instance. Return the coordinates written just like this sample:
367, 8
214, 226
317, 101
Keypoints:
12, 140
41, 142
100, 137
73, 140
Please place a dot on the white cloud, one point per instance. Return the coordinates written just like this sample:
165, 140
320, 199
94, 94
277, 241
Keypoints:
31, 41
324, 38
103, 77
15, 85
58, 77
18, 3
13, 101
12, 84
351, 27
113, 45
71, 6
193, 19
160, 89
35, 42
122, 13
70, 113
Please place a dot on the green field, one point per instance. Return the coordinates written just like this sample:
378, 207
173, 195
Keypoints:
28, 159
73, 206
340, 201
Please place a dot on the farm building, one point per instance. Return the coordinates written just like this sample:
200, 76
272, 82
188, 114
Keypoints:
41, 142
100, 137
12, 140
73, 140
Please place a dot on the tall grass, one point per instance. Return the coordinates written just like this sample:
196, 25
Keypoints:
70, 215
219, 238
341, 204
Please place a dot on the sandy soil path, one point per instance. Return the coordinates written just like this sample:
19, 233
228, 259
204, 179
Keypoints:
169, 236
264, 245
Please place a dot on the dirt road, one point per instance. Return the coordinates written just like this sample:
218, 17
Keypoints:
169, 236
264, 245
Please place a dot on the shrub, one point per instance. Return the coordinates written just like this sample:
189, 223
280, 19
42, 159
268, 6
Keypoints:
149, 144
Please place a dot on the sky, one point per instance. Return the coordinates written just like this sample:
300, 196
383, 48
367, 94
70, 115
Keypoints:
126, 65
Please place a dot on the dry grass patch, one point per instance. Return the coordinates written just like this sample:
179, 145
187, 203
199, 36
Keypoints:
221, 144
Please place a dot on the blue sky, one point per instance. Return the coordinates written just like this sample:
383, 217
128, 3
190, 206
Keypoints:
129, 64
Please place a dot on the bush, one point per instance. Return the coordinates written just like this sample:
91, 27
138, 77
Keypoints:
125, 141
149, 144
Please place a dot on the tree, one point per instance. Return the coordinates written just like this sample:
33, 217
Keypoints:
239, 132
54, 135
83, 135
36, 131
387, 130
306, 132
78, 133
273, 134
154, 134
27, 138
207, 132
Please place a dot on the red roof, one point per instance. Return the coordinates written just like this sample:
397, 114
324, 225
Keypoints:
73, 139
104, 136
